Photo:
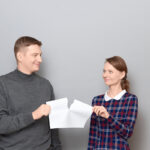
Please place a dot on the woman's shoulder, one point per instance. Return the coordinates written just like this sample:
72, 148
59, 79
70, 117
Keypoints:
97, 99
99, 96
130, 95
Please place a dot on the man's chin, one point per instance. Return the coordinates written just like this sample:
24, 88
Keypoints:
36, 70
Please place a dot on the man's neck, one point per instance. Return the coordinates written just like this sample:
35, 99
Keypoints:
24, 70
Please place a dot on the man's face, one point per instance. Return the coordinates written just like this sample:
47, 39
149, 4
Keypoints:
29, 59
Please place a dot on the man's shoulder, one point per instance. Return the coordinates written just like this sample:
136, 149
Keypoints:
7, 75
43, 79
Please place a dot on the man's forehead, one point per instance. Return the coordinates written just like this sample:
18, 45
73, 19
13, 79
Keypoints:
31, 49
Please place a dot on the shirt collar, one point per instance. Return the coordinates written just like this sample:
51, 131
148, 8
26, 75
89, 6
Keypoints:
117, 97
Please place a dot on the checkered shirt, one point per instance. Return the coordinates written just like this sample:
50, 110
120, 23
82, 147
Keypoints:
112, 133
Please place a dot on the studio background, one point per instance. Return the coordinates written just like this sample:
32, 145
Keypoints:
77, 36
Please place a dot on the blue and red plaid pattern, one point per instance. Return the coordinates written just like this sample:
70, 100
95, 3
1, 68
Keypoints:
112, 133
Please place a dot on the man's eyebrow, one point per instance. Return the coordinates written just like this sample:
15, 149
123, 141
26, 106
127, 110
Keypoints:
37, 53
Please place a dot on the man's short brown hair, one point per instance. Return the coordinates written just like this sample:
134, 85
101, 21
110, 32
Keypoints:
25, 41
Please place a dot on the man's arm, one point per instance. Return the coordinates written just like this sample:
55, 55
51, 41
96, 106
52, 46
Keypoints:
12, 123
55, 142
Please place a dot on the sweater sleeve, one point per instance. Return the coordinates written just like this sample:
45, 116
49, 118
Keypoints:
55, 142
124, 127
11, 123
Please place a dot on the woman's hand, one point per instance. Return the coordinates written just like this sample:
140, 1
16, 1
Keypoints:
101, 111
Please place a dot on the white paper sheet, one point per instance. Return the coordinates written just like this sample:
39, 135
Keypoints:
63, 117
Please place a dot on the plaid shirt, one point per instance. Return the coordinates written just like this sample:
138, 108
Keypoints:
112, 133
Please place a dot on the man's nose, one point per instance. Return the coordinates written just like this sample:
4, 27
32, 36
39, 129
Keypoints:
40, 59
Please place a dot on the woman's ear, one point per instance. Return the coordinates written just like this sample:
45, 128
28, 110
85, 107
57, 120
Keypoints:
123, 74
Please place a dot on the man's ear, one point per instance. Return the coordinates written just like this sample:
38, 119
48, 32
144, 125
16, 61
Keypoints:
19, 56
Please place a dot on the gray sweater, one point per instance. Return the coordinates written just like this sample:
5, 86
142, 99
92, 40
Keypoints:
20, 95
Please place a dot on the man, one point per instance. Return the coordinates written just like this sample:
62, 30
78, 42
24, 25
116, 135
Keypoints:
24, 121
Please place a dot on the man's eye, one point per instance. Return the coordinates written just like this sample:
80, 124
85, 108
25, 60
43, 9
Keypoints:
34, 55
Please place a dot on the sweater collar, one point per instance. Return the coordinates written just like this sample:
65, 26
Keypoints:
23, 75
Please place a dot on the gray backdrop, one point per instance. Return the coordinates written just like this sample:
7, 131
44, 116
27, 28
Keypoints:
77, 36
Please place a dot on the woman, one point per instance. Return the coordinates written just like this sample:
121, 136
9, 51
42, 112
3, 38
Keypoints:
115, 112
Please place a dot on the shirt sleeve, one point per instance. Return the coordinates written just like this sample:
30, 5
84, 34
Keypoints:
9, 123
93, 131
124, 127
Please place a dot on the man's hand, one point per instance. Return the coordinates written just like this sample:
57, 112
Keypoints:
101, 111
41, 111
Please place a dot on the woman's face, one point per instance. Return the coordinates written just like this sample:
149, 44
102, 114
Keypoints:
111, 75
